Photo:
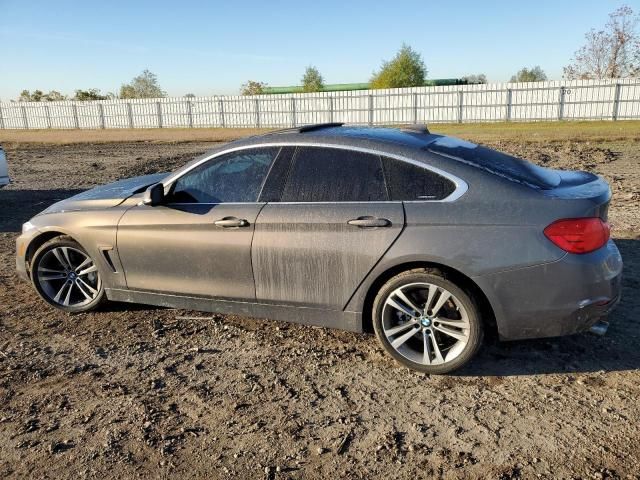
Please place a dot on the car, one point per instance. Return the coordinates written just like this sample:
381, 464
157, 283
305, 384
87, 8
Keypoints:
430, 242
4, 172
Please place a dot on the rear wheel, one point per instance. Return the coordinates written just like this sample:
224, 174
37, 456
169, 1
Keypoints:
426, 322
66, 276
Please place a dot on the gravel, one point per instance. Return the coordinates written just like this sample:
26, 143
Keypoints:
140, 391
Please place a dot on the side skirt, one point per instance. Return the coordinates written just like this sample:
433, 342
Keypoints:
351, 321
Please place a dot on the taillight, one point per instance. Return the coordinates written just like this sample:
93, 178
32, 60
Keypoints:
578, 235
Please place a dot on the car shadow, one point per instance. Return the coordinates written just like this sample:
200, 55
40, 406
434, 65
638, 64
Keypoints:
18, 206
116, 307
616, 351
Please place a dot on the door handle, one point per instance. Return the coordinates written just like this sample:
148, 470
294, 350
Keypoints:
369, 222
230, 222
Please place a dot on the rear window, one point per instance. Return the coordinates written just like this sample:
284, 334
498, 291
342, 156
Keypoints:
512, 168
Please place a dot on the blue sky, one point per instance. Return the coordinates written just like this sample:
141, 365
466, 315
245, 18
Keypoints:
213, 47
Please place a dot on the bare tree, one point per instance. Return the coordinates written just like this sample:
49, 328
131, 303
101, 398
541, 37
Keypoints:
613, 52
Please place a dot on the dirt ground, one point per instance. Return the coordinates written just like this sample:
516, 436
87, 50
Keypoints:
144, 392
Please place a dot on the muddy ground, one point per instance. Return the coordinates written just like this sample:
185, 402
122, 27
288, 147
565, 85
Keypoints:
144, 392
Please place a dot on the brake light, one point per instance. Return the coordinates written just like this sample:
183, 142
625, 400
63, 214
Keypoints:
578, 235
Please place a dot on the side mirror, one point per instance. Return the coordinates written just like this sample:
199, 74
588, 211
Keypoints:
154, 195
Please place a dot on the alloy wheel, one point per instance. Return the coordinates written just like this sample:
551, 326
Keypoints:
68, 277
425, 323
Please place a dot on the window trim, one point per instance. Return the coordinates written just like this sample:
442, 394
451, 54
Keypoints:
459, 191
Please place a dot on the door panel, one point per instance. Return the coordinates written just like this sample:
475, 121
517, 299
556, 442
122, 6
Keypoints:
308, 254
179, 249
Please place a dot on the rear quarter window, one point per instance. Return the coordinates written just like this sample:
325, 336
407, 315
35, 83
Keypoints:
410, 182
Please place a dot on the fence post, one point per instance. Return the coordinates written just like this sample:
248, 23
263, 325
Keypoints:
616, 103
76, 120
189, 114
370, 109
330, 109
101, 116
415, 108
1, 120
159, 110
221, 108
293, 111
460, 105
25, 123
130, 113
257, 109
48, 112
561, 103
509, 102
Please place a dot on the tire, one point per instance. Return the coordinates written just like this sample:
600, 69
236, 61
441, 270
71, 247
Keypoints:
65, 276
434, 347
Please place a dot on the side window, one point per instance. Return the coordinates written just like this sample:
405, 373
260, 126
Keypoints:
411, 182
334, 175
235, 177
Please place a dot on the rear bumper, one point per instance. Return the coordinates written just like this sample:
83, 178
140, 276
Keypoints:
560, 298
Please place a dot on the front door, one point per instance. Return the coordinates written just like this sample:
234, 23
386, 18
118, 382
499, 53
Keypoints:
199, 241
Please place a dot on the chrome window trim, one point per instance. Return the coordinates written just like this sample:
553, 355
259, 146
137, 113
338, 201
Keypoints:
460, 190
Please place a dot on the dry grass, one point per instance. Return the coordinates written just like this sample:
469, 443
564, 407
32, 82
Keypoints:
543, 131
155, 135
479, 132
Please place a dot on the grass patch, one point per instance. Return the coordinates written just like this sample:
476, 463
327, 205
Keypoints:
533, 132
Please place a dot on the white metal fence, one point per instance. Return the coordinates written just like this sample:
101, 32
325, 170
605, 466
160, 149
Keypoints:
540, 101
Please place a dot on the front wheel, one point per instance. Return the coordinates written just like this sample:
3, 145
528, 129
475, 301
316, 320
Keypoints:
66, 277
426, 322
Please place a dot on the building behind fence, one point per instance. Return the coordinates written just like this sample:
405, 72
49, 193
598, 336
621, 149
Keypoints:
540, 101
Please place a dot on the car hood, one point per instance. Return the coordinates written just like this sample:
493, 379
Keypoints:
105, 196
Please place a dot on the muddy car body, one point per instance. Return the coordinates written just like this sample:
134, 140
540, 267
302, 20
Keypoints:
4, 169
428, 239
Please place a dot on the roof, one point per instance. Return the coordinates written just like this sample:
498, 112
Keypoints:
411, 136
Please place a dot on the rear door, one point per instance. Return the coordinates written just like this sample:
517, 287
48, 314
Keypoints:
331, 224
199, 241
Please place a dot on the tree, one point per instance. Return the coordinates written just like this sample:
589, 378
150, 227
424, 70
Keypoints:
613, 52
189, 95
252, 88
406, 69
91, 94
312, 81
144, 85
40, 96
535, 74
479, 78
27, 96
54, 96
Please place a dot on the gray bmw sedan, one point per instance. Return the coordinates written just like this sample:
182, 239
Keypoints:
427, 240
